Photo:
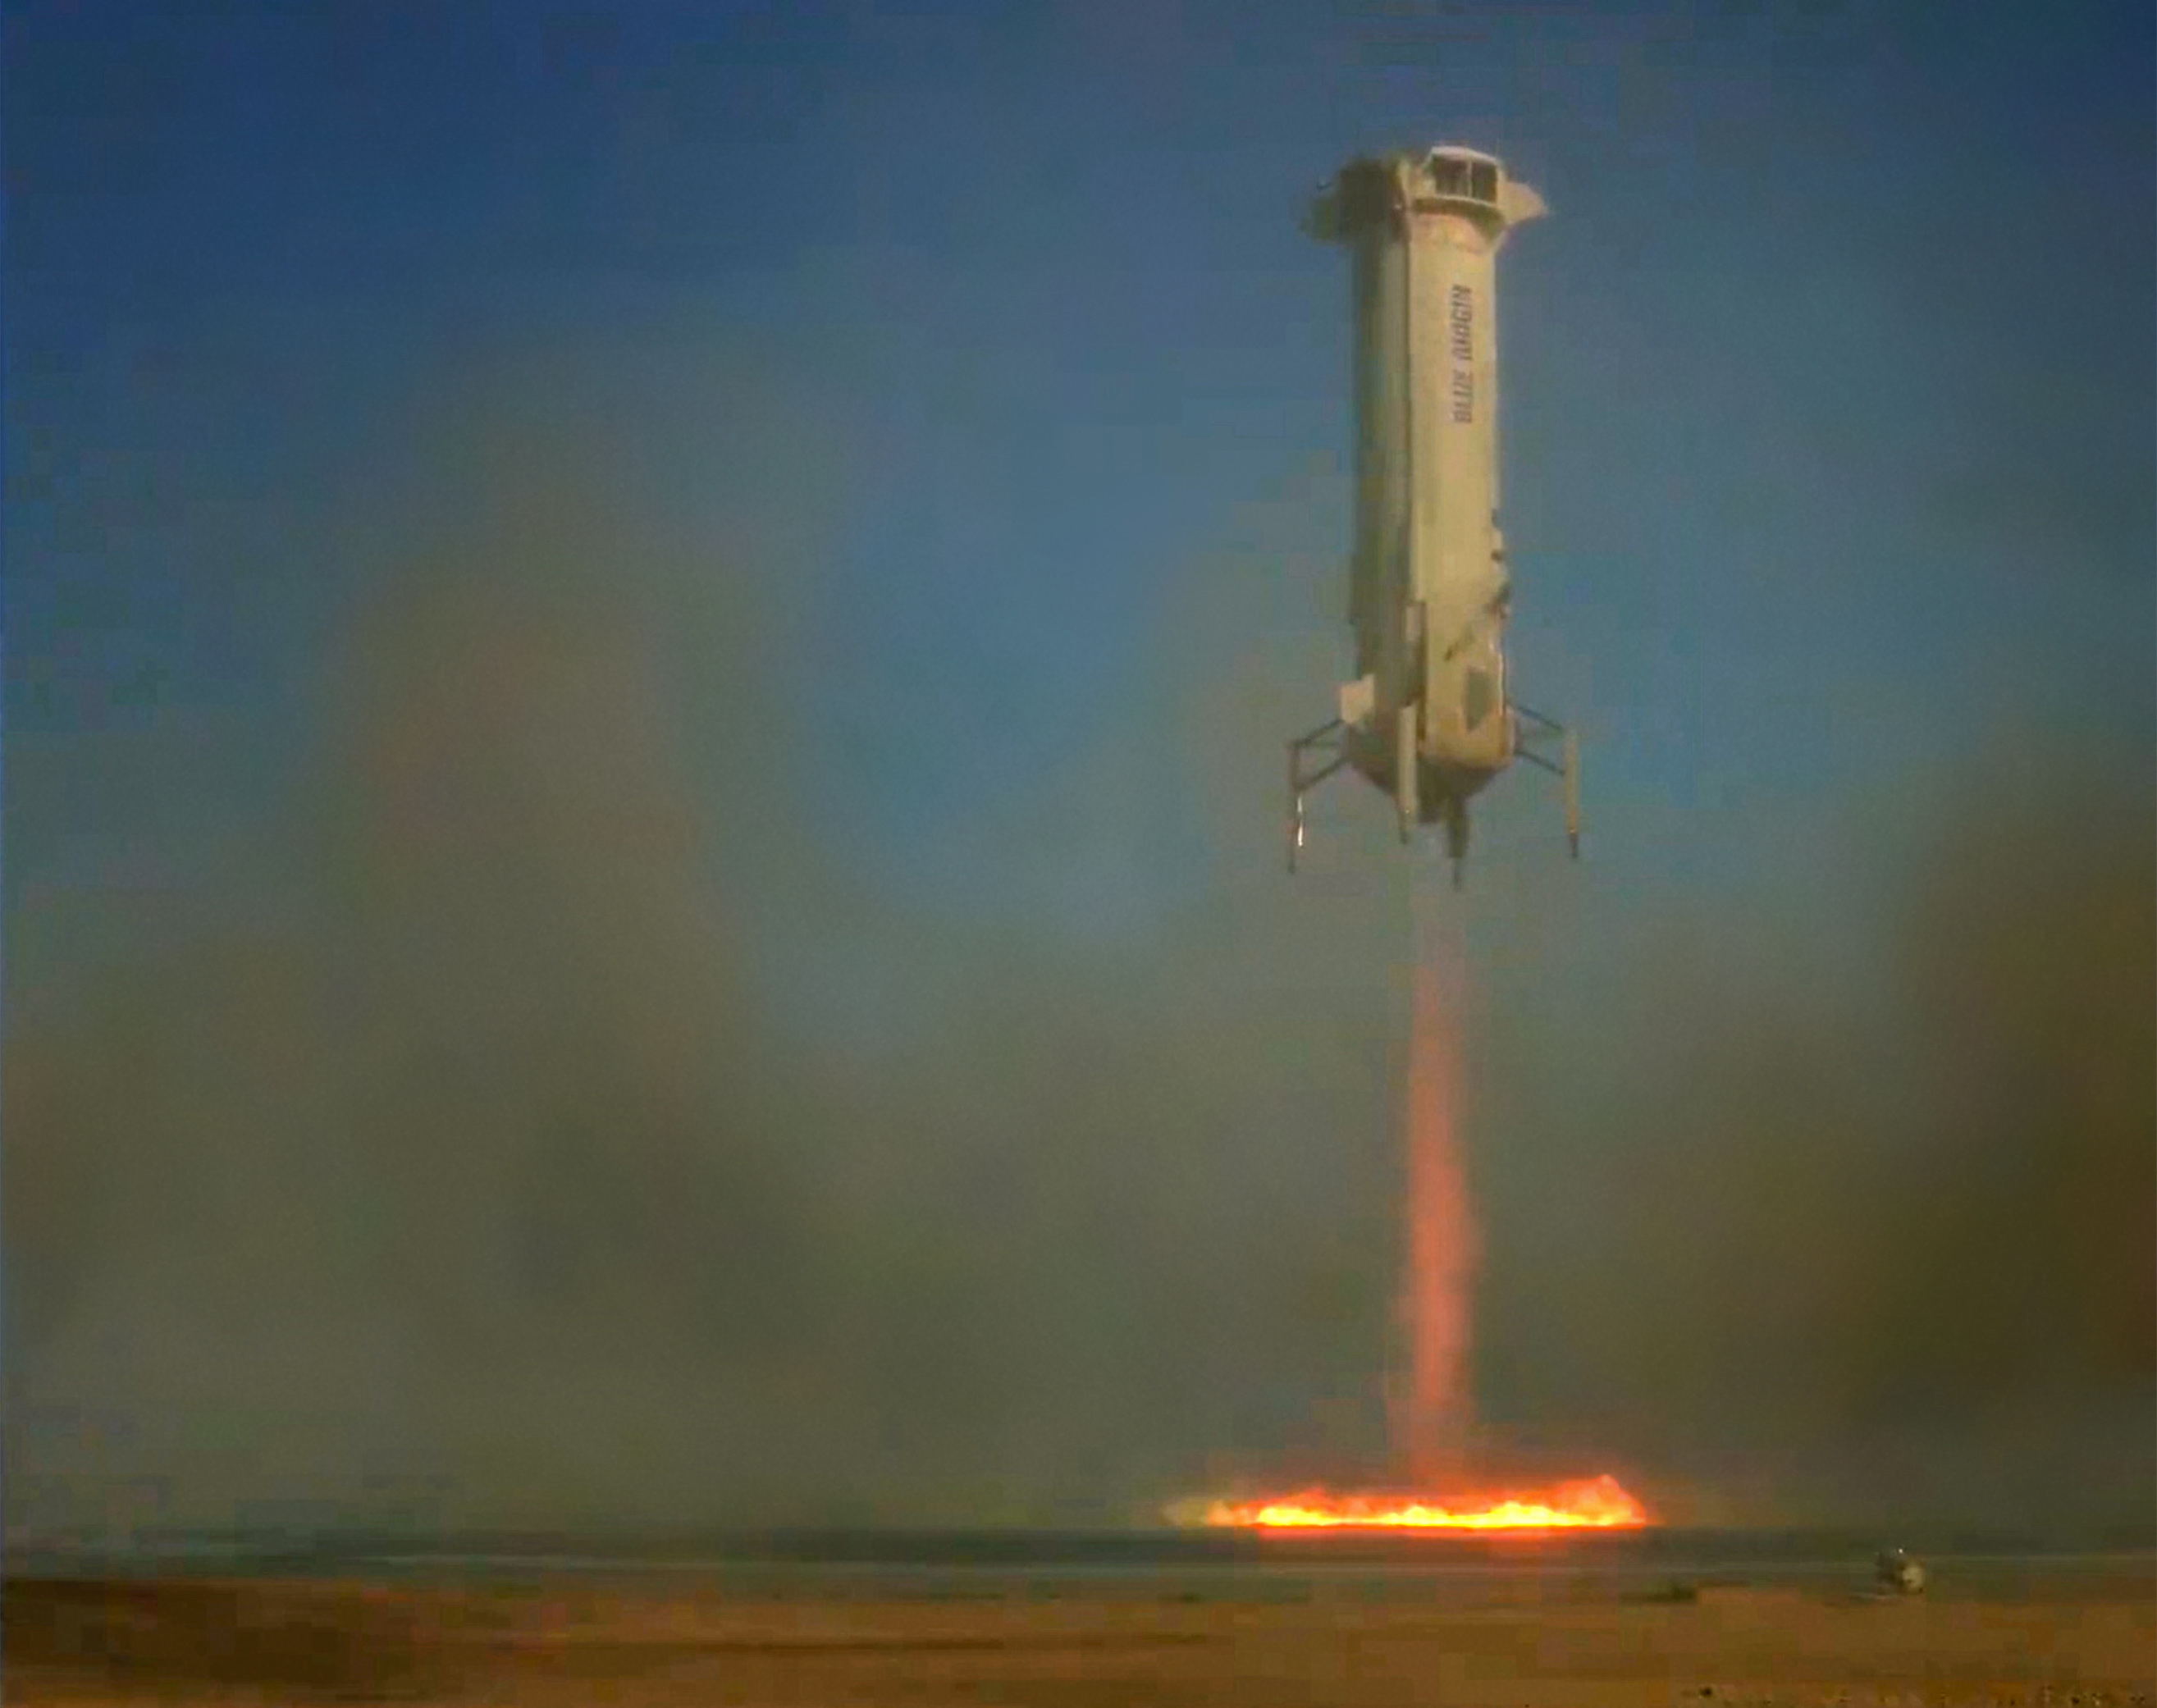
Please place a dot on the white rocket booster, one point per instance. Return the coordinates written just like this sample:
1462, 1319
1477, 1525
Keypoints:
1428, 718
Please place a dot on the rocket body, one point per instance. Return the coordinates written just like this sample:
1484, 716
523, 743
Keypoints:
1428, 718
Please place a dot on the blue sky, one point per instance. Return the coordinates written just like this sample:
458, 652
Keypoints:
978, 351
1830, 370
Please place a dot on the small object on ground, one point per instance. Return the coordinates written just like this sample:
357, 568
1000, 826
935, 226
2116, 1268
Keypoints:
1899, 1574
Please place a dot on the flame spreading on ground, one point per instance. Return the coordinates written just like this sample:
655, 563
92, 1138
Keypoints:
1597, 1503
1430, 1402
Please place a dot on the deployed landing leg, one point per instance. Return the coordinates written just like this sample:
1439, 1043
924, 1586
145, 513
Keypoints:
1456, 836
1536, 733
1406, 803
1572, 761
1329, 741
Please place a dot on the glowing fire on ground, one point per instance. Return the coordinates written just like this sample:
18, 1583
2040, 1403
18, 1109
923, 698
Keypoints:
1596, 1504
1431, 1403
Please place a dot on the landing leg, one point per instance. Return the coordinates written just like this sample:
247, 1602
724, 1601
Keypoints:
1533, 731
1406, 803
1456, 837
1294, 804
1330, 740
1572, 760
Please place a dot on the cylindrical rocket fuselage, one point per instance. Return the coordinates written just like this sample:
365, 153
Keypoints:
1427, 582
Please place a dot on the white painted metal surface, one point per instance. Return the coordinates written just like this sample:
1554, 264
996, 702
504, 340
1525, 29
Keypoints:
1429, 718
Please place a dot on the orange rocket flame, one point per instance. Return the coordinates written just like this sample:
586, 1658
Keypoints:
1597, 1503
1431, 1401
1432, 1406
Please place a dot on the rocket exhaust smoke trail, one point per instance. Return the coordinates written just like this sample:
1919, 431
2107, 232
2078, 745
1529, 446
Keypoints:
1431, 1402
1433, 1406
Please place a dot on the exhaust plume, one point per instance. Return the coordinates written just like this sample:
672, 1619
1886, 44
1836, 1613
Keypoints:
1434, 1412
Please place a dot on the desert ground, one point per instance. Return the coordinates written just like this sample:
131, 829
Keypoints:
2091, 1640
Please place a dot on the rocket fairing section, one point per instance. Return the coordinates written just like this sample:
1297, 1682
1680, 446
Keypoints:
1428, 717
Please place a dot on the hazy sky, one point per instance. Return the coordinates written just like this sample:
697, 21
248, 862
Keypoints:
919, 440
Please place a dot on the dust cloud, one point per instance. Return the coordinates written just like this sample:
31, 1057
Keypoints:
474, 1150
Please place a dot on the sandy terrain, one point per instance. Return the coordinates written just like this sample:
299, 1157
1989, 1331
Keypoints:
201, 1642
